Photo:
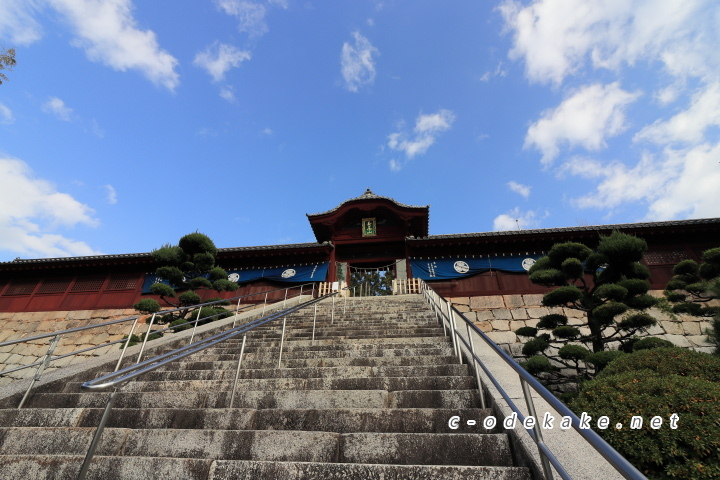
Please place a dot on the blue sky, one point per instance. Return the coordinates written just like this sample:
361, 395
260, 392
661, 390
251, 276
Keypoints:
127, 124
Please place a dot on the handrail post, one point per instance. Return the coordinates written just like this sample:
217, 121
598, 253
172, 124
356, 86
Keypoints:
344, 304
332, 311
312, 295
536, 428
122, 354
475, 367
41, 368
457, 334
147, 335
451, 326
237, 372
197, 319
96, 438
264, 305
314, 318
285, 299
282, 339
237, 312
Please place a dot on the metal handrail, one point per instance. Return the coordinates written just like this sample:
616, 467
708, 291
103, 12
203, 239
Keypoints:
116, 379
620, 463
48, 357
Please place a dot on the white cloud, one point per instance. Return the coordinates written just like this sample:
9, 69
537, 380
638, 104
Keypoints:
268, 131
108, 32
427, 128
57, 107
357, 64
586, 119
227, 93
519, 188
31, 210
498, 72
395, 166
6, 115
673, 183
17, 23
250, 15
516, 219
111, 194
557, 40
690, 125
219, 58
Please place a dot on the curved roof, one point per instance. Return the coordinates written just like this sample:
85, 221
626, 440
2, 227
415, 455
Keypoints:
586, 228
368, 195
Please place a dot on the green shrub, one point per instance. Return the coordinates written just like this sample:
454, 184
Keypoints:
600, 360
668, 361
135, 339
573, 352
526, 331
147, 305
537, 364
180, 324
648, 343
688, 452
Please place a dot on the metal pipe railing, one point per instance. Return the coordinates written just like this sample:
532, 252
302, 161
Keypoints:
116, 379
48, 358
620, 463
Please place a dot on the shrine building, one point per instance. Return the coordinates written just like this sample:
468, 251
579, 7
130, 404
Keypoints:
369, 232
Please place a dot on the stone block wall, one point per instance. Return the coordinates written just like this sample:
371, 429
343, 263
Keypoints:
18, 325
500, 315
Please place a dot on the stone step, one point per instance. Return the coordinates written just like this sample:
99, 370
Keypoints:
250, 347
399, 420
274, 384
311, 372
231, 469
265, 445
214, 355
313, 362
63, 467
260, 399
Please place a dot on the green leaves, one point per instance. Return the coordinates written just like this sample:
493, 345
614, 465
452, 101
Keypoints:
193, 243
562, 296
147, 305
162, 289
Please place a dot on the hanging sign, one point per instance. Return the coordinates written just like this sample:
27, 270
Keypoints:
460, 267
296, 274
369, 227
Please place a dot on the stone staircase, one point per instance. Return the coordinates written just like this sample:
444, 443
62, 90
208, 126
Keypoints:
370, 398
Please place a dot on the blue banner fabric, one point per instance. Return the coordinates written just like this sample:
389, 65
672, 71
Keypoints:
300, 273
460, 267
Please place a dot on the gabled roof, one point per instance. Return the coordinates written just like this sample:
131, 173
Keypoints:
368, 195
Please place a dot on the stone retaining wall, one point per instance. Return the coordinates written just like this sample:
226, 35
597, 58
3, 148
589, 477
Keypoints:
500, 315
27, 324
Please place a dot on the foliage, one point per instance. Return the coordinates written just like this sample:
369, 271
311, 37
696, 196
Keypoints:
659, 382
147, 305
600, 360
188, 267
649, 343
693, 285
668, 361
375, 283
7, 61
608, 285
135, 339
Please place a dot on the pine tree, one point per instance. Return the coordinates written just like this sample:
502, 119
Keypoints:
609, 285
693, 286
7, 61
188, 266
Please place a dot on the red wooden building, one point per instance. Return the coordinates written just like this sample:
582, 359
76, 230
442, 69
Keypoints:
369, 231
